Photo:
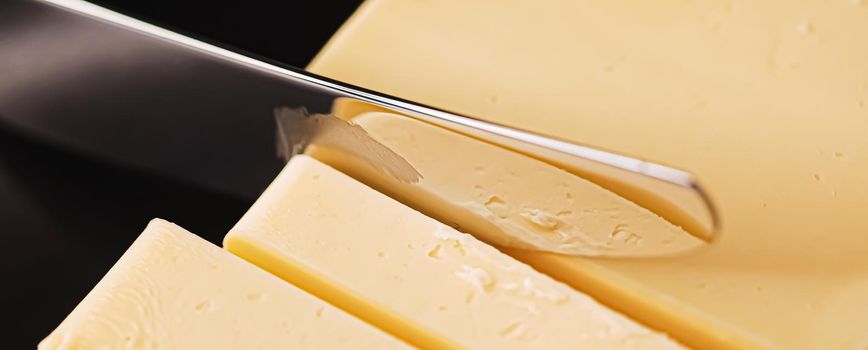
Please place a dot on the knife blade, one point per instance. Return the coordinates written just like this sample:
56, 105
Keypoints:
195, 111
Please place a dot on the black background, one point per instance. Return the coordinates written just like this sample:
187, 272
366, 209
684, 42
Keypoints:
65, 219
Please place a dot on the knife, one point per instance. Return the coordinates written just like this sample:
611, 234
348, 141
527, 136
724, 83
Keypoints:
125, 91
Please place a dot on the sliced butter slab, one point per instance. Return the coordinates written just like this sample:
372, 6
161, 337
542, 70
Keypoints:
414, 276
506, 198
766, 101
174, 290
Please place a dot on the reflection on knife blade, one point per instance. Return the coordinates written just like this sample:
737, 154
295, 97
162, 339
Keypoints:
296, 129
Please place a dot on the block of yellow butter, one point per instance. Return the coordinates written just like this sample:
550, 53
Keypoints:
414, 276
767, 101
506, 198
174, 290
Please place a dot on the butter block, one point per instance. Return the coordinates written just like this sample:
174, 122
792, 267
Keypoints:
414, 276
766, 101
506, 198
174, 290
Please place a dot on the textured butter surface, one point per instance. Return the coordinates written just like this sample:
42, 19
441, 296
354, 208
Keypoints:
506, 198
410, 274
174, 290
766, 101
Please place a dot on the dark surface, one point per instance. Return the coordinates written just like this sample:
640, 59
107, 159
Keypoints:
142, 101
289, 31
66, 218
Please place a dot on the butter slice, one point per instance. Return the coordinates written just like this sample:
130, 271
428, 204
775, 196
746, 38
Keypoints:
506, 198
766, 101
174, 290
414, 276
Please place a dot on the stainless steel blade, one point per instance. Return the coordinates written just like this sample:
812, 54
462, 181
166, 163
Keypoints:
71, 71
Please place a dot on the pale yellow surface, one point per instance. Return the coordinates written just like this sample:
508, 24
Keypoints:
506, 198
767, 101
174, 290
413, 276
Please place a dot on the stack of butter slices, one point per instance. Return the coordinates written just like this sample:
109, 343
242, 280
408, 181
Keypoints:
363, 271
766, 101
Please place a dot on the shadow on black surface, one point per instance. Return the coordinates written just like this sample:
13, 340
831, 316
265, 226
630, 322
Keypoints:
65, 219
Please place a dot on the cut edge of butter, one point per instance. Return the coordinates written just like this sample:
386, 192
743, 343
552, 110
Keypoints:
173, 288
413, 276
307, 279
